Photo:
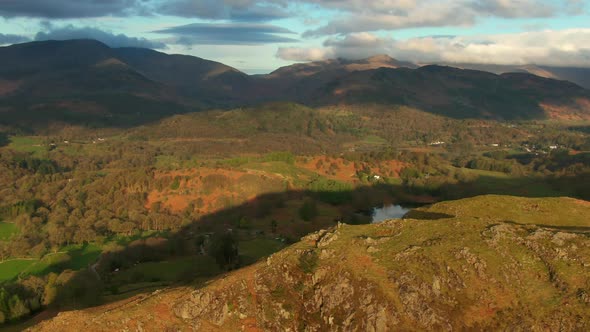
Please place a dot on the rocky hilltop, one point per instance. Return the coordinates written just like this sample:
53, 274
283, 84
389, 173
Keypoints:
490, 262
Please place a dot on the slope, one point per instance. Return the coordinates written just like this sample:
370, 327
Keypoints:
78, 81
579, 76
484, 268
193, 76
456, 93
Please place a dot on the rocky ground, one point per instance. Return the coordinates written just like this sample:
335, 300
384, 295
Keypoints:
491, 263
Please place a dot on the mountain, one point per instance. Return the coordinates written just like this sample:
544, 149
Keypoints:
299, 81
52, 69
193, 76
340, 65
450, 91
88, 83
484, 263
580, 76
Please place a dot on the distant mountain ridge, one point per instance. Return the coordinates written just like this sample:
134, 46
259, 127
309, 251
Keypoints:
579, 76
310, 68
89, 83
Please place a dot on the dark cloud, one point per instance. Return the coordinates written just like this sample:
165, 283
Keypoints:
12, 39
68, 8
111, 39
228, 34
235, 10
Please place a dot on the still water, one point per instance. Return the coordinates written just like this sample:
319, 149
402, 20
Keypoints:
388, 212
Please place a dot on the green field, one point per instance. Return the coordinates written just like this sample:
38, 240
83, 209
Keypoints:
550, 211
168, 271
7, 230
74, 257
373, 140
27, 144
252, 250
11, 269
490, 182
81, 256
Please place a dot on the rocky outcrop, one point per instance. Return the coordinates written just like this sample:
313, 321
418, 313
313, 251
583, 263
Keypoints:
461, 273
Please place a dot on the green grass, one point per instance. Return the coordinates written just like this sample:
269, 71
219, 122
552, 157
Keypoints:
252, 250
124, 240
490, 182
524, 186
27, 144
374, 140
491, 174
83, 255
169, 271
11, 269
558, 212
75, 257
299, 176
7, 230
54, 262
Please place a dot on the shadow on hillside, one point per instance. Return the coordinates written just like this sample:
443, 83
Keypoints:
94, 112
126, 111
4, 140
84, 289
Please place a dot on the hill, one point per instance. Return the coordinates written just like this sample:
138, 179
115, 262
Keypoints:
485, 263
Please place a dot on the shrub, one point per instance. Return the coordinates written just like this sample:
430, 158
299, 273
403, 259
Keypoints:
308, 261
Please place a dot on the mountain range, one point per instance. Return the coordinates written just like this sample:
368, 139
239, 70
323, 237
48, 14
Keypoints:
580, 76
87, 82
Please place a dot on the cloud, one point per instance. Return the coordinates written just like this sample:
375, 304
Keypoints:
110, 39
235, 10
303, 54
547, 47
68, 8
353, 47
12, 39
228, 34
515, 8
367, 16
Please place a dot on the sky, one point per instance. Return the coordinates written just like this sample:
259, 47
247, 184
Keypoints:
258, 36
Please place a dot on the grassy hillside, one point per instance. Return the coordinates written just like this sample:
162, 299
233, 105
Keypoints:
483, 263
542, 211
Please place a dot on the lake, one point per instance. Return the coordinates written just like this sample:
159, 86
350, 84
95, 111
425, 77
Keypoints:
388, 212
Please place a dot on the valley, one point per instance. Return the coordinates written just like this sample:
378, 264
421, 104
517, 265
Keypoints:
187, 198
150, 191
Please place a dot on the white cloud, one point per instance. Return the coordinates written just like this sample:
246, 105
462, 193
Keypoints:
353, 46
547, 47
302, 54
366, 16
